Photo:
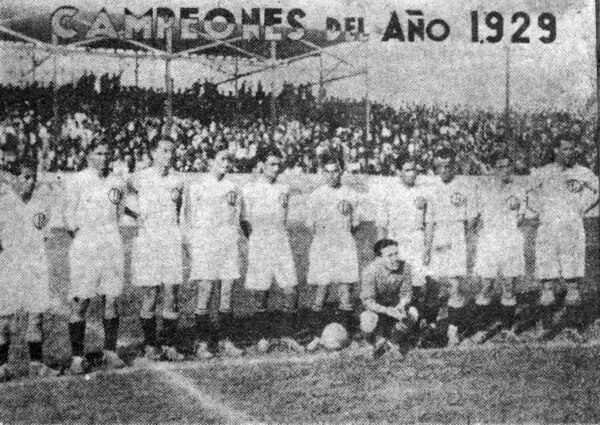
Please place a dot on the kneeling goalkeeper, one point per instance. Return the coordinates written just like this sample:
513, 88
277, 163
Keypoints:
388, 320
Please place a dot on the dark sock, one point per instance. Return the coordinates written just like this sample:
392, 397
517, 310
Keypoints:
169, 332
202, 327
352, 323
509, 313
266, 325
344, 317
227, 327
35, 351
315, 319
77, 337
482, 317
573, 316
285, 328
547, 315
111, 333
4, 353
456, 317
417, 298
149, 329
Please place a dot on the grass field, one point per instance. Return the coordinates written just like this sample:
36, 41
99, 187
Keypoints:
511, 384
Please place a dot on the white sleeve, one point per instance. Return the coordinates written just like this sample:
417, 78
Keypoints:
309, 212
72, 194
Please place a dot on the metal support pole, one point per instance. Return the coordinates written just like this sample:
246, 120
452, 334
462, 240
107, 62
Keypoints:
507, 123
273, 81
169, 80
33, 66
137, 69
321, 94
55, 112
367, 96
237, 88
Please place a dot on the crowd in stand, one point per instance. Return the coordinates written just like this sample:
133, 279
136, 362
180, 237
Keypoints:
206, 120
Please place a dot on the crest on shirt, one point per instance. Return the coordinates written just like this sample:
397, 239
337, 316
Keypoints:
176, 194
420, 203
40, 220
284, 200
231, 198
345, 207
513, 202
458, 199
115, 195
574, 185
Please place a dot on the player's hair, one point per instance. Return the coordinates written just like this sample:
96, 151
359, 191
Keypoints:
267, 151
403, 159
563, 137
332, 158
163, 139
97, 142
381, 244
500, 155
213, 153
446, 153
27, 163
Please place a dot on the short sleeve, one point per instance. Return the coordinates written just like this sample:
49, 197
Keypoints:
430, 212
358, 212
406, 288
368, 283
244, 204
309, 216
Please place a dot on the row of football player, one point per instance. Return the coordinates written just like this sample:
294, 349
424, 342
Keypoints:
428, 228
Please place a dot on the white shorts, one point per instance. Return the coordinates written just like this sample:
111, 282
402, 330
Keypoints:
97, 267
24, 284
449, 250
270, 257
500, 254
410, 249
157, 257
332, 259
215, 254
560, 251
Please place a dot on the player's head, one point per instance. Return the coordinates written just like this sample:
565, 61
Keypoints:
97, 157
407, 170
445, 164
27, 178
332, 168
387, 251
503, 166
269, 160
220, 163
564, 150
162, 155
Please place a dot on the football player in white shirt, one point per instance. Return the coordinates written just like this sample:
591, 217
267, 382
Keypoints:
24, 278
451, 211
565, 192
332, 217
500, 245
96, 255
157, 251
212, 211
401, 217
264, 218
